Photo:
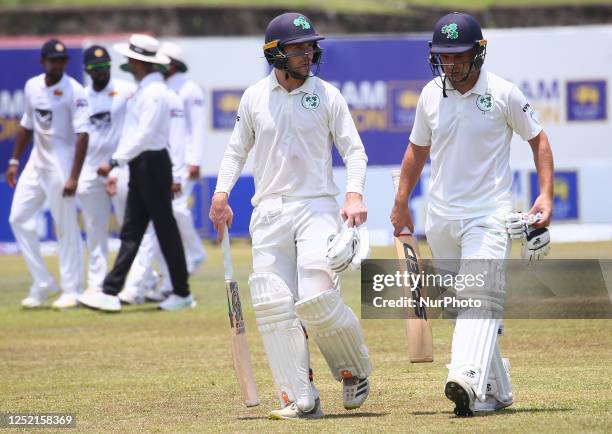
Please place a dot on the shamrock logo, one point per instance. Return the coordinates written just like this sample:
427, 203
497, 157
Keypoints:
310, 101
451, 31
485, 102
301, 22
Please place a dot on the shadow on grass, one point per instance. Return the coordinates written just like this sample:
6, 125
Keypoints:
506, 411
327, 416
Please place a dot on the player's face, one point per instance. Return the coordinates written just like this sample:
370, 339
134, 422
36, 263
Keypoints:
456, 66
300, 57
54, 68
99, 73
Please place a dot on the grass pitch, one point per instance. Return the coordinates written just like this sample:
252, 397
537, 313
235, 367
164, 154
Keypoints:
157, 371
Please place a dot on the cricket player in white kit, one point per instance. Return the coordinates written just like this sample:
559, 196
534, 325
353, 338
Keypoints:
56, 116
464, 121
290, 120
107, 101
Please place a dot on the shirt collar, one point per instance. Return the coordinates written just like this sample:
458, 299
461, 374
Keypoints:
482, 84
176, 80
151, 78
307, 87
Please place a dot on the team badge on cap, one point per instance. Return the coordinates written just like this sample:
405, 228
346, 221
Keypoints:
59, 47
451, 31
302, 22
98, 52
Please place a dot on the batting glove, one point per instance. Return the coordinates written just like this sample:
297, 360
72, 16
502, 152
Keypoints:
517, 224
537, 244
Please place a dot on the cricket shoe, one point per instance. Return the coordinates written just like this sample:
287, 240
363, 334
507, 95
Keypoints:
292, 411
66, 301
355, 391
100, 301
461, 393
130, 297
175, 302
37, 296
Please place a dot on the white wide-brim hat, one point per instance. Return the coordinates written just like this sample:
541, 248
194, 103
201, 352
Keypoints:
175, 53
144, 48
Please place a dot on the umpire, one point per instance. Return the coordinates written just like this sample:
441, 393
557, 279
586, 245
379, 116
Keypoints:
144, 146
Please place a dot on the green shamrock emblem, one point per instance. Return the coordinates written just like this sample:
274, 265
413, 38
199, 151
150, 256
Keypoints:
310, 101
450, 30
301, 22
485, 102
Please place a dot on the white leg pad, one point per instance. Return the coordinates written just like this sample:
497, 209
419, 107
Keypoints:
283, 338
338, 333
499, 377
473, 345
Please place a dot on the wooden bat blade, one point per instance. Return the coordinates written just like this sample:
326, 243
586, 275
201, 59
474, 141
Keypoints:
418, 325
240, 346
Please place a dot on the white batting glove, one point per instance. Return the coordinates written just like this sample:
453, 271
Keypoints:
537, 244
517, 224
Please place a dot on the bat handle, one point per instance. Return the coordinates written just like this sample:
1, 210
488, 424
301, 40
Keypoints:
227, 256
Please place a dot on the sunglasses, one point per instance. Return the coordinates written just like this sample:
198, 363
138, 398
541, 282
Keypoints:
95, 66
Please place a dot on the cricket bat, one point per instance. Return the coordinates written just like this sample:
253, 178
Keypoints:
418, 325
240, 347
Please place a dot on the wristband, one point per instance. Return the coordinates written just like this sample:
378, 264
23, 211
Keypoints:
13, 162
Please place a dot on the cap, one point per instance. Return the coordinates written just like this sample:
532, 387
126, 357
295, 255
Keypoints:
455, 33
96, 54
54, 49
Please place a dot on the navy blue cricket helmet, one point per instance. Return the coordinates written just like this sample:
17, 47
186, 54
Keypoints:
286, 29
457, 33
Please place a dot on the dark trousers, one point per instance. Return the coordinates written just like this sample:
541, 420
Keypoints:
149, 198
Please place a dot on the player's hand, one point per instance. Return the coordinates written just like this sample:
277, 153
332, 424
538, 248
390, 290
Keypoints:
11, 175
220, 214
111, 186
194, 172
401, 218
104, 169
70, 187
543, 204
175, 189
354, 210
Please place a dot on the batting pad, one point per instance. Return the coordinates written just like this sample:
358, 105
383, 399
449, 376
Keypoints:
283, 339
500, 377
473, 345
338, 333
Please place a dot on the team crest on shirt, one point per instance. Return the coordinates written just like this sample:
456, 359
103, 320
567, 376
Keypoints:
311, 101
44, 118
484, 102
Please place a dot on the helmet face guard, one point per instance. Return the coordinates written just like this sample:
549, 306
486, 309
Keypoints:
437, 66
276, 58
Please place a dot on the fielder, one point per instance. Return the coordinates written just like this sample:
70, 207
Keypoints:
56, 116
291, 119
107, 100
464, 122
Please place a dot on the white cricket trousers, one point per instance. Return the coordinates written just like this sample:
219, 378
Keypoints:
34, 186
289, 238
96, 206
474, 346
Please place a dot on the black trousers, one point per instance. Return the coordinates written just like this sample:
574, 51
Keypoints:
149, 198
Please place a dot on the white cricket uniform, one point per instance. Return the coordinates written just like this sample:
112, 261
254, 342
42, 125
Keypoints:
470, 194
192, 98
55, 114
291, 135
107, 108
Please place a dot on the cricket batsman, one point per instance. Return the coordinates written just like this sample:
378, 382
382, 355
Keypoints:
465, 120
290, 119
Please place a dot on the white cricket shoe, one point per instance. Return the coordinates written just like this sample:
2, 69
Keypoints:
175, 302
66, 301
101, 301
292, 411
461, 393
37, 296
491, 404
130, 297
355, 391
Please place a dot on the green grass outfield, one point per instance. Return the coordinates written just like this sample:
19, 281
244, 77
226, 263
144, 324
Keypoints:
157, 371
369, 6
